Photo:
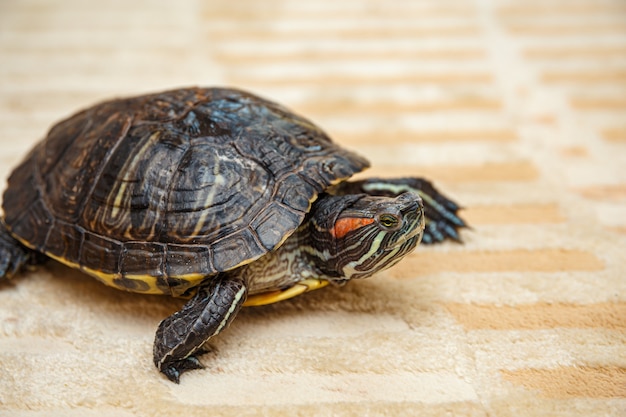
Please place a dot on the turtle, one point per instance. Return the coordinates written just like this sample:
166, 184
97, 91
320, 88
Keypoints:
214, 195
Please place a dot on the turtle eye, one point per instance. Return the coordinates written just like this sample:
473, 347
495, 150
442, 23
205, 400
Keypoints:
388, 221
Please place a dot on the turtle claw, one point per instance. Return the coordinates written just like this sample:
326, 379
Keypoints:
174, 370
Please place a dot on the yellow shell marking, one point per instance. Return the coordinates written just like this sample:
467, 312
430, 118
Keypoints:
109, 279
276, 296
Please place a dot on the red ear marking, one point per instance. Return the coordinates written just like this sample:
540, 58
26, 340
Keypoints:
348, 224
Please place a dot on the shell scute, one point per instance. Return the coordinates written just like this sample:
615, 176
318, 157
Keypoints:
143, 258
71, 177
34, 226
294, 192
237, 249
186, 260
65, 241
274, 223
101, 253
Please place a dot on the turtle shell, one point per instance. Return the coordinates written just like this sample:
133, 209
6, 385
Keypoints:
154, 193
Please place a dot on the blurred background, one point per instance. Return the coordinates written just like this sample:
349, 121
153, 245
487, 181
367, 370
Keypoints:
516, 109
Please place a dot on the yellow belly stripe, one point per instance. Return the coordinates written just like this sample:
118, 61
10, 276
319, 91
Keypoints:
275, 296
109, 279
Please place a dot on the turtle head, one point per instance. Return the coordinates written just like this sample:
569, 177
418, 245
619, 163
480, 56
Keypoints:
355, 236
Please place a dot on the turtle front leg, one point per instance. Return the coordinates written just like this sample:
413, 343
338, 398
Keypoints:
442, 220
182, 334
13, 255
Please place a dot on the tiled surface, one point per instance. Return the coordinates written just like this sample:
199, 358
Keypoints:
515, 108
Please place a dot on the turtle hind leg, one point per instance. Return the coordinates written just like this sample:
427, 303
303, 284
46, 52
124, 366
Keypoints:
181, 336
442, 219
13, 255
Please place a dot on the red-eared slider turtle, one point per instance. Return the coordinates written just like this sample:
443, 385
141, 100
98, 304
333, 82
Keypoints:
212, 194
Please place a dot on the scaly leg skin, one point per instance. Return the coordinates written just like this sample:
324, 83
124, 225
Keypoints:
181, 336
13, 255
442, 220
